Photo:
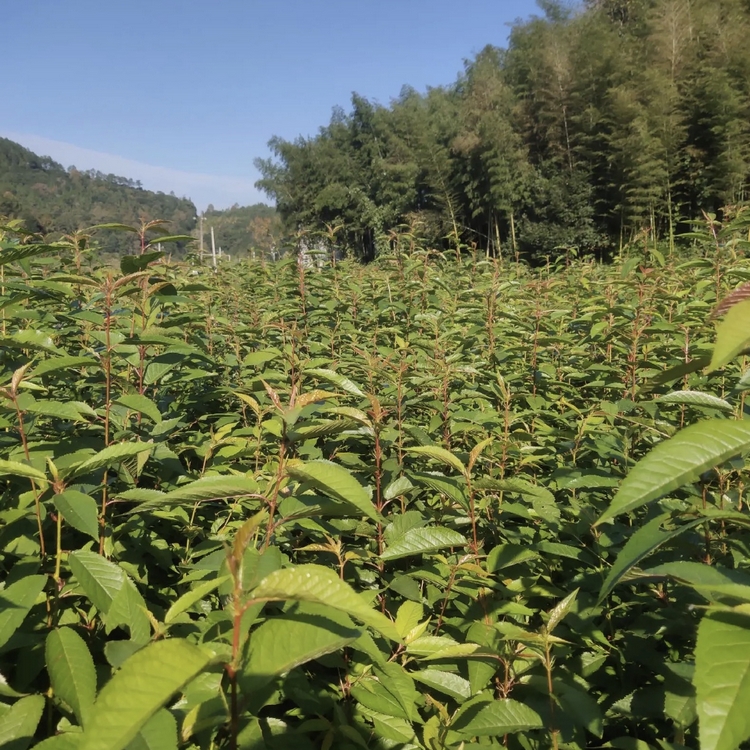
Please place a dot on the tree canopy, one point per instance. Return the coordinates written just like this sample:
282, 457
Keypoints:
625, 118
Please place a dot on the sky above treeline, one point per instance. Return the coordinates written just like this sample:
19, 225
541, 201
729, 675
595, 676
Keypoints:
185, 94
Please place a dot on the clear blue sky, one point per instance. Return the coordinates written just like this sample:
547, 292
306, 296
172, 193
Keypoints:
185, 94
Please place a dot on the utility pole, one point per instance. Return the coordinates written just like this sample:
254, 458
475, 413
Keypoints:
213, 247
200, 252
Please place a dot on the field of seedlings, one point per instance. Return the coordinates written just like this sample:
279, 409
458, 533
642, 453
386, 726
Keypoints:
417, 504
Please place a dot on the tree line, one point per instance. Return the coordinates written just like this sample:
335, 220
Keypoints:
598, 125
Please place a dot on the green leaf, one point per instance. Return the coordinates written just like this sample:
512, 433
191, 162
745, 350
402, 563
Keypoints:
647, 539
505, 555
716, 584
439, 454
61, 363
340, 381
397, 488
426, 539
16, 469
722, 681
679, 461
201, 490
558, 614
408, 617
111, 592
144, 683
66, 741
495, 718
142, 405
732, 335
56, 410
100, 579
282, 643
15, 602
18, 725
159, 733
696, 398
193, 596
448, 683
314, 583
134, 263
515, 485
336, 482
109, 456
71, 671
79, 510
21, 252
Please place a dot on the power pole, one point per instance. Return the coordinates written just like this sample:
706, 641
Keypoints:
213, 247
200, 252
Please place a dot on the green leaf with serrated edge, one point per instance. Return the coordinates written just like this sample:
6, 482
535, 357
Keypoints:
108, 456
448, 683
16, 469
142, 405
340, 381
696, 398
408, 616
397, 488
374, 695
79, 510
679, 461
159, 733
56, 410
99, 578
52, 364
421, 540
427, 645
439, 454
314, 583
282, 643
18, 725
647, 539
560, 611
722, 681
71, 671
201, 490
514, 485
336, 482
499, 717
505, 555
716, 584
15, 602
732, 335
144, 683
6, 691
21, 252
66, 741
193, 596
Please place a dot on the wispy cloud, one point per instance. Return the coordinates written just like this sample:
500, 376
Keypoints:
203, 189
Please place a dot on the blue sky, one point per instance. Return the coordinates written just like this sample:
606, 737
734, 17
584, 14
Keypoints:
185, 94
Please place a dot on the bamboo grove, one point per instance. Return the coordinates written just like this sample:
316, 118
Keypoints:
628, 118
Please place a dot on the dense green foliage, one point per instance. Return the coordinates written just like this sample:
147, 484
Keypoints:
53, 200
243, 231
591, 129
373, 506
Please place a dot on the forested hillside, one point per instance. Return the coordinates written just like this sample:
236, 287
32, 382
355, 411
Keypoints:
624, 119
51, 199
241, 230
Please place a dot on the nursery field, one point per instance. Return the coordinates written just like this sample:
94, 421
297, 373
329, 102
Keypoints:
418, 504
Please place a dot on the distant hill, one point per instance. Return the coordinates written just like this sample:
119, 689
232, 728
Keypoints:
242, 230
51, 199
